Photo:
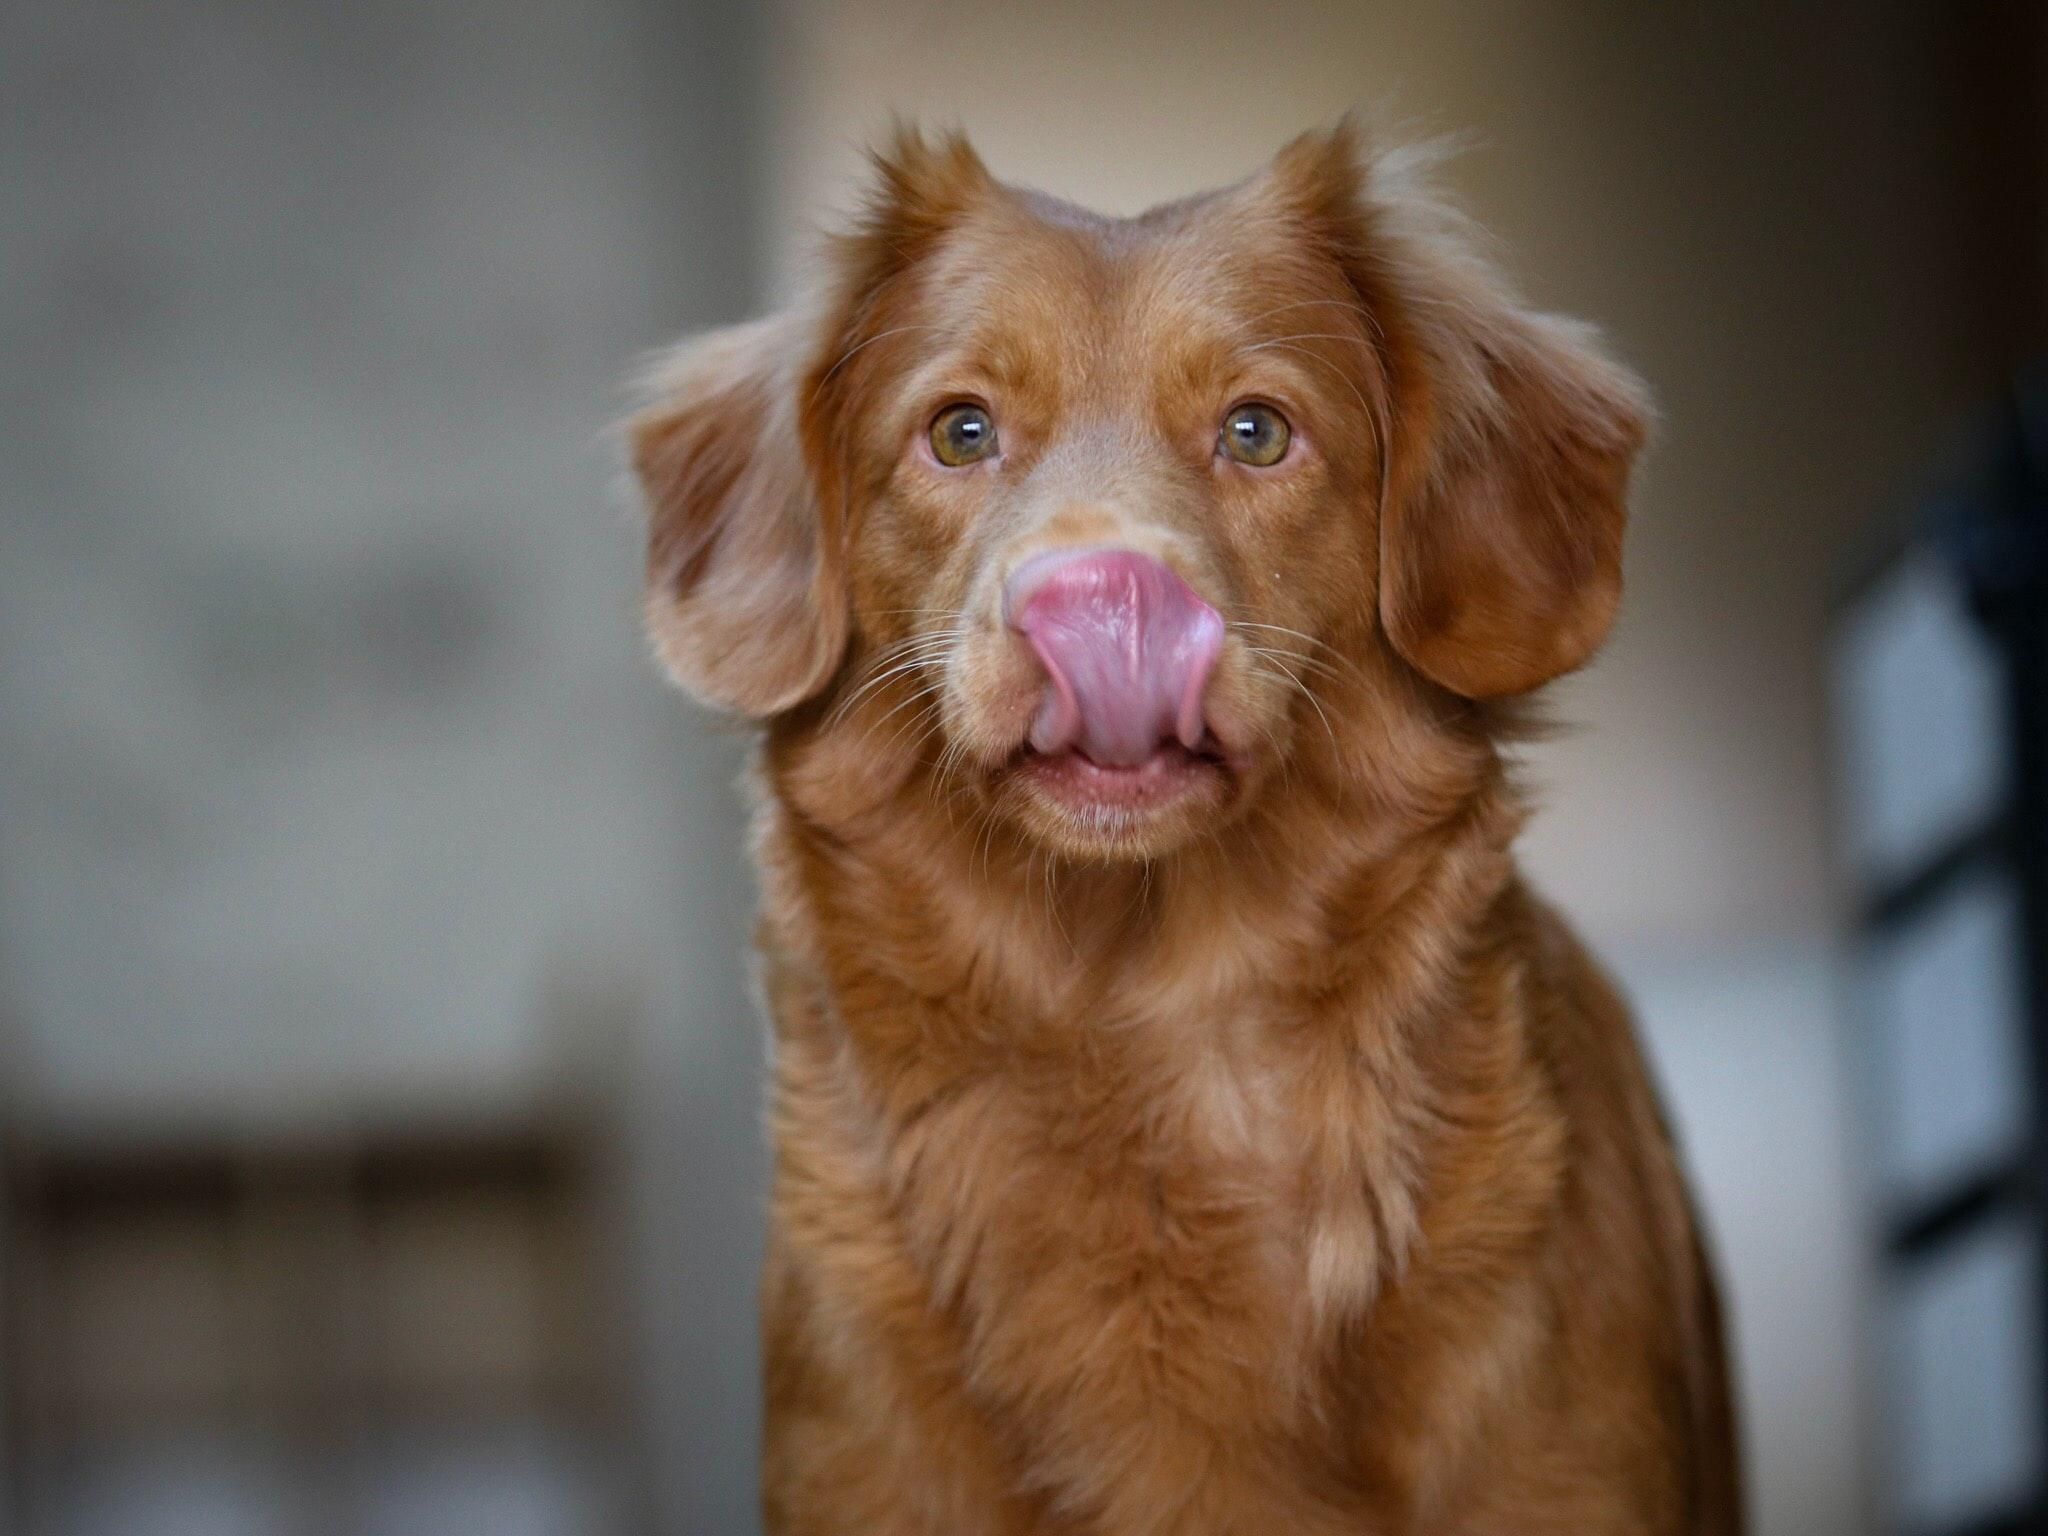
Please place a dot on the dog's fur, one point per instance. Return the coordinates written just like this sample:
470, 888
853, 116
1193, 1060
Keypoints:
1276, 1162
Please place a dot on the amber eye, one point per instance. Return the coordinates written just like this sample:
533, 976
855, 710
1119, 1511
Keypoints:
962, 434
1255, 434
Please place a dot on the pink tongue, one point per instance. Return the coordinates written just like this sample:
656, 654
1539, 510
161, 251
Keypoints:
1127, 648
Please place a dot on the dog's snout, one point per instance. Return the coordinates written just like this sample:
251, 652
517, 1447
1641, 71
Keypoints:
1127, 647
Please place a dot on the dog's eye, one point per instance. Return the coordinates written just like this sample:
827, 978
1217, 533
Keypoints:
1255, 434
962, 434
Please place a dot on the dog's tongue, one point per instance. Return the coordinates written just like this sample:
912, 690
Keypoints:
1127, 649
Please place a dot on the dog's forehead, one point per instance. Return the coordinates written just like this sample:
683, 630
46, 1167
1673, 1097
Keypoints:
1035, 272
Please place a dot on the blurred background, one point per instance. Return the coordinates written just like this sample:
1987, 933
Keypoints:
382, 1144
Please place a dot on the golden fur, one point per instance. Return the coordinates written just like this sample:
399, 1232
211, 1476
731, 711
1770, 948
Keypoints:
1276, 1162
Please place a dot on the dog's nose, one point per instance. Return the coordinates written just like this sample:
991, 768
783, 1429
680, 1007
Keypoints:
1127, 648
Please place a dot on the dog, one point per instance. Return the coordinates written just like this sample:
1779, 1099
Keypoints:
1186, 1119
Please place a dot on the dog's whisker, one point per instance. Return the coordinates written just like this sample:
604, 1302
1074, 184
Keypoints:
924, 720
1280, 672
1274, 341
847, 356
907, 656
1295, 659
1052, 906
1278, 629
1325, 654
1371, 320
987, 843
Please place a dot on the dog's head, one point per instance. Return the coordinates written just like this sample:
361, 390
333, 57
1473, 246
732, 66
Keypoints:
1101, 522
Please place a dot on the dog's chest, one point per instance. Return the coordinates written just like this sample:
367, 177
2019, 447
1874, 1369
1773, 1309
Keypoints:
1146, 1268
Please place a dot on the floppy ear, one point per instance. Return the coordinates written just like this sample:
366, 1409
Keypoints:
1507, 495
1509, 439
745, 454
744, 599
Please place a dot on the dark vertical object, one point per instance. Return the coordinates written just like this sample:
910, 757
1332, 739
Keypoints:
1989, 538
2012, 582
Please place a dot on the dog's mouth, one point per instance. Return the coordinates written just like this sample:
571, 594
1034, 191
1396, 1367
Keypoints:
1168, 778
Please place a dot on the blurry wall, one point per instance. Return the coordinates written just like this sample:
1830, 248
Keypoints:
337, 786
1759, 206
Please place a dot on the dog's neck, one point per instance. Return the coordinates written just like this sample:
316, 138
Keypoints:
1295, 897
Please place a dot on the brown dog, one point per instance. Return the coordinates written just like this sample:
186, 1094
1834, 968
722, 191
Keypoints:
1186, 1119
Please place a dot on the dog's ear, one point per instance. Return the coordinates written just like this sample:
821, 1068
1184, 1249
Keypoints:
1508, 438
1506, 499
745, 601
744, 454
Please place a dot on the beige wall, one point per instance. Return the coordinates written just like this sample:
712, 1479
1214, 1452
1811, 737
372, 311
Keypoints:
1703, 190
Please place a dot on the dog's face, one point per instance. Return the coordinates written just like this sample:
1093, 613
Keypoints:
1097, 521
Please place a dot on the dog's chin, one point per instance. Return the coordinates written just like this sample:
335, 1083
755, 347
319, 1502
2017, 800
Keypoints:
1085, 809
